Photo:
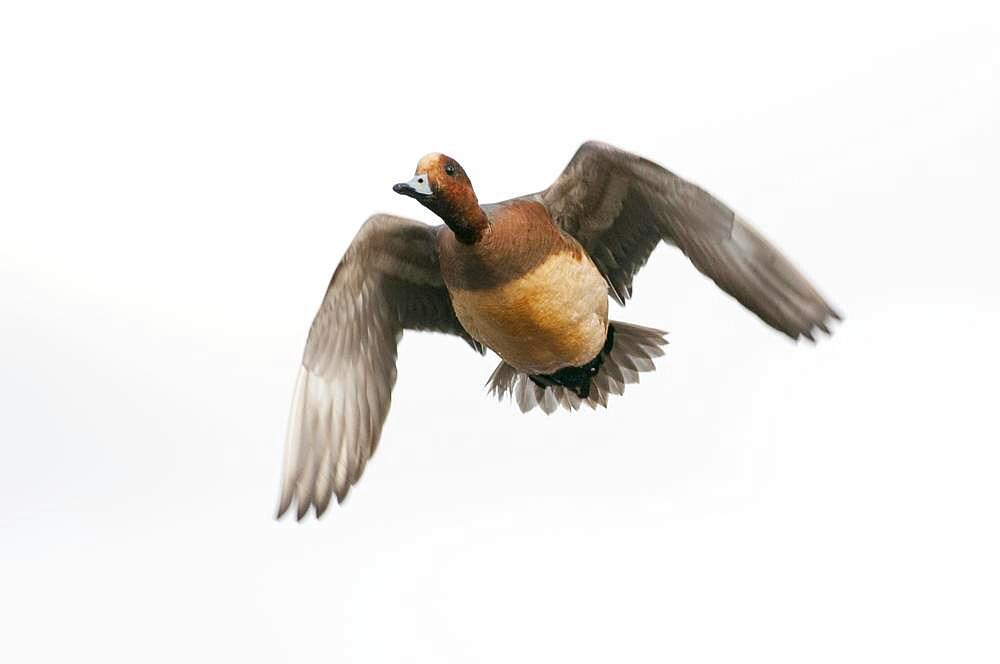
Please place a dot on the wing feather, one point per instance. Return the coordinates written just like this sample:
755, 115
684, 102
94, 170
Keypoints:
619, 206
389, 280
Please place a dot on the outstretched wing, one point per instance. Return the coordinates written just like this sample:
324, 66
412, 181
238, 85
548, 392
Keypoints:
388, 281
619, 206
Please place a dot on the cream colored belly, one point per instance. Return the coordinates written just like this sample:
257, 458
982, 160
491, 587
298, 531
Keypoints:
552, 317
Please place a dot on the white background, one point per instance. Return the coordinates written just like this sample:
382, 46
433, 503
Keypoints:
178, 181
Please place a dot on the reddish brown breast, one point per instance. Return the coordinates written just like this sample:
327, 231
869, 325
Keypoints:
521, 237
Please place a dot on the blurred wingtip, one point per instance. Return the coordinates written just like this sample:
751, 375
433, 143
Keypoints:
321, 507
283, 505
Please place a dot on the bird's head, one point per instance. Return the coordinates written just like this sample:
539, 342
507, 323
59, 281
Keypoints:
441, 185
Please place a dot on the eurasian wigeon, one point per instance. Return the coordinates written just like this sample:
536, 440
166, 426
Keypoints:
528, 278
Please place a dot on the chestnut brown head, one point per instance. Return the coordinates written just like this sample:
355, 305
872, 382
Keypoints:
441, 185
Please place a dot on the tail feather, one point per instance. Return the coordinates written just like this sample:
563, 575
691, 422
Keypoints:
634, 350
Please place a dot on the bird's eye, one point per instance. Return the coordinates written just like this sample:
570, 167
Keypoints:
449, 169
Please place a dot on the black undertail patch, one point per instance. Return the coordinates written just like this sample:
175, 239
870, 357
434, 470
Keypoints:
577, 379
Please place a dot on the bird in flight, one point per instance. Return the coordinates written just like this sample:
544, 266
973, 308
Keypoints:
528, 278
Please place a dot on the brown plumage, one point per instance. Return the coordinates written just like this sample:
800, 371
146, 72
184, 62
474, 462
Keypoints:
518, 287
528, 278
527, 239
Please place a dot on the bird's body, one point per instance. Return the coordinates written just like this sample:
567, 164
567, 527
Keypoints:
529, 278
526, 290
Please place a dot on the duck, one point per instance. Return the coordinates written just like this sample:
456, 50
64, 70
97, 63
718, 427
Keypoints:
529, 279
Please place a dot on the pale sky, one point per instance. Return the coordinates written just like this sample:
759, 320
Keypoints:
178, 181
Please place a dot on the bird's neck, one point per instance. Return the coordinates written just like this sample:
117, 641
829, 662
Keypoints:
468, 222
